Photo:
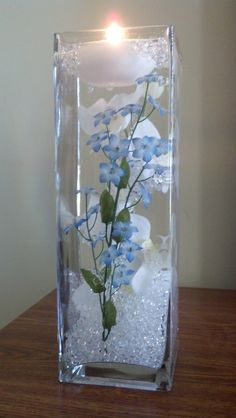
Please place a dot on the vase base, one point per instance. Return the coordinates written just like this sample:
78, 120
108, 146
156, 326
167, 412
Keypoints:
119, 375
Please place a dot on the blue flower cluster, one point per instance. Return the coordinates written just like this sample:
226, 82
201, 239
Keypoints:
117, 148
127, 249
123, 152
158, 169
93, 210
108, 256
105, 117
148, 147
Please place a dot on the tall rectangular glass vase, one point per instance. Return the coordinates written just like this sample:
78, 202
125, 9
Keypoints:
117, 185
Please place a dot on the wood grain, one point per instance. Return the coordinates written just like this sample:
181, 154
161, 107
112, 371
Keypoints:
205, 377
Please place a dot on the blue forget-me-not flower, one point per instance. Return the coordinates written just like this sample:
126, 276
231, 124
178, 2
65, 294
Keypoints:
96, 140
123, 229
117, 147
79, 222
122, 276
158, 169
108, 256
146, 195
148, 146
131, 108
92, 210
163, 147
145, 147
104, 117
128, 249
110, 172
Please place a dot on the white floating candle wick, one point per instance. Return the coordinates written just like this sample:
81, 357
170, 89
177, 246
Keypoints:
114, 33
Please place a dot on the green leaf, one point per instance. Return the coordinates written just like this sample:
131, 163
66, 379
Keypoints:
109, 318
124, 179
107, 207
93, 281
123, 216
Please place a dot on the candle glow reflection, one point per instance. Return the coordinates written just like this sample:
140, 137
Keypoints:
115, 33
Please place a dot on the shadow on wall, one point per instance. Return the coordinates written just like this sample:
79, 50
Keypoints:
218, 150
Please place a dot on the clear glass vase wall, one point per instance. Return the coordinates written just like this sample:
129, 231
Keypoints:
117, 186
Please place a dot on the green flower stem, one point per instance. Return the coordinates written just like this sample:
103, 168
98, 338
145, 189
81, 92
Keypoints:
115, 291
141, 112
104, 336
103, 306
109, 242
131, 118
114, 215
83, 236
112, 276
136, 203
106, 235
131, 187
105, 153
90, 238
89, 234
147, 116
100, 302
95, 220
97, 256
147, 178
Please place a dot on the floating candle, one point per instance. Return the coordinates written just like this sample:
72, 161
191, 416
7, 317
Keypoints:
114, 62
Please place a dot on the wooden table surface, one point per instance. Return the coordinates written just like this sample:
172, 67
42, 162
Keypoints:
205, 376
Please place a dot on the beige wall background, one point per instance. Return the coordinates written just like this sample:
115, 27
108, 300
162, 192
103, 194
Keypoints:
207, 34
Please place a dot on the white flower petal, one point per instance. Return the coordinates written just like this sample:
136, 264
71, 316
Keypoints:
144, 228
141, 279
120, 100
155, 90
86, 116
118, 122
150, 253
82, 297
146, 128
67, 218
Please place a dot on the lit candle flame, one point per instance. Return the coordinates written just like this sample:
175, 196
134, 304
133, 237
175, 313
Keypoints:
115, 33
